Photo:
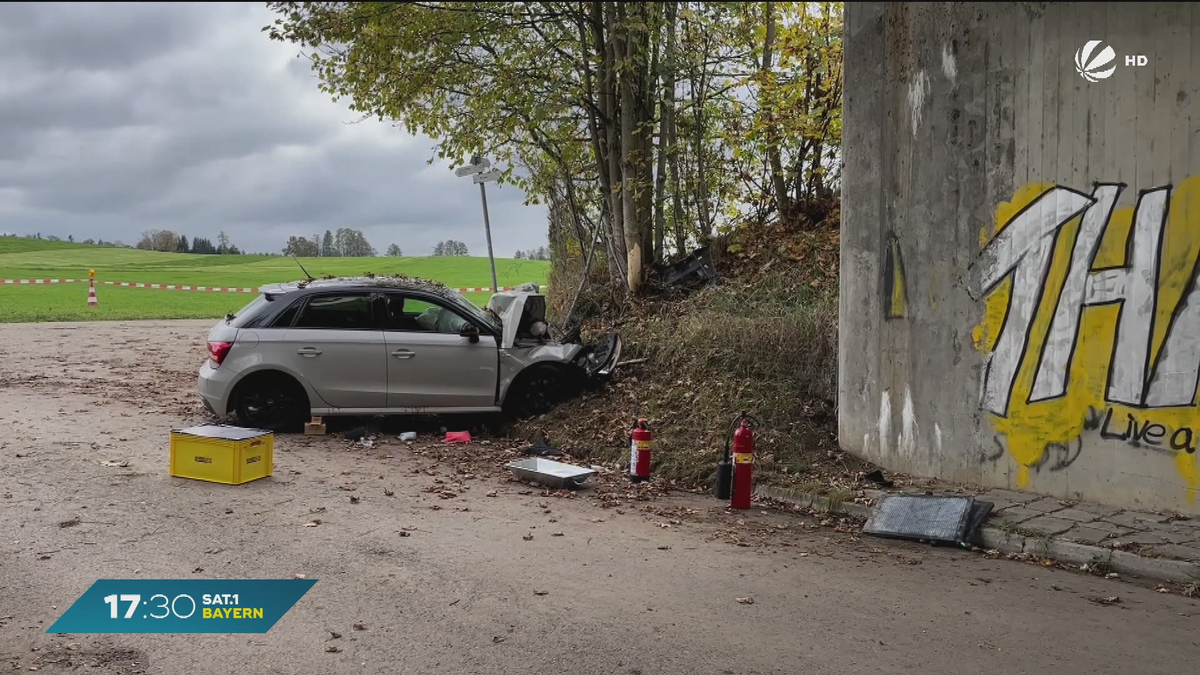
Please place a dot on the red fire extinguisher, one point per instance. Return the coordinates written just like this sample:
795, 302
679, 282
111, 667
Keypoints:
743, 463
639, 452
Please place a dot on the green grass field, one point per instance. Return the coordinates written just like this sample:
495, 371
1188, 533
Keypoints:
22, 258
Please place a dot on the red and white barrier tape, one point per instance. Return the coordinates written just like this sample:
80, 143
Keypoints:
178, 287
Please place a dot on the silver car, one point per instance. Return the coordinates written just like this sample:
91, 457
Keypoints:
385, 346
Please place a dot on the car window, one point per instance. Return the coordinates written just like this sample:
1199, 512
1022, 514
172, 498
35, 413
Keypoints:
337, 312
420, 316
285, 319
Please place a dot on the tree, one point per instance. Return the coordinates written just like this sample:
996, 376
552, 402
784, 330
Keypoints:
328, 249
519, 255
204, 246
158, 240
182, 245
301, 247
642, 119
222, 242
71, 237
394, 251
352, 243
450, 247
53, 237
89, 241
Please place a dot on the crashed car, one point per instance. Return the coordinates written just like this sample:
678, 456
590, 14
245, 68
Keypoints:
386, 346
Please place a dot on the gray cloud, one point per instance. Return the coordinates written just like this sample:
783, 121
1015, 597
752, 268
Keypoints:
119, 118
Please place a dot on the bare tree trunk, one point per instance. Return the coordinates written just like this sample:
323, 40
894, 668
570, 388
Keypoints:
645, 87
660, 178
769, 108
626, 43
605, 34
598, 127
671, 154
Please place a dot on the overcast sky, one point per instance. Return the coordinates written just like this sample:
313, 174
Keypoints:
120, 118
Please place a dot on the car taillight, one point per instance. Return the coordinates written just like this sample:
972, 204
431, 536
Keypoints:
218, 350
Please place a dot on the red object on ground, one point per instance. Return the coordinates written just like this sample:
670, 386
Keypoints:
639, 452
458, 437
743, 466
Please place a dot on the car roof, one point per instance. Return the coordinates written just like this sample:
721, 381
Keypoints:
355, 283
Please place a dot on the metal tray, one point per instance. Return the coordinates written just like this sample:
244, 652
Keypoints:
549, 472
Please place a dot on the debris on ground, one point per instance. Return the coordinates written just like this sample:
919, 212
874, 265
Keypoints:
70, 523
694, 270
541, 592
408, 436
543, 449
557, 475
528, 537
746, 601
359, 626
1110, 600
934, 518
333, 649
877, 478
463, 437
313, 523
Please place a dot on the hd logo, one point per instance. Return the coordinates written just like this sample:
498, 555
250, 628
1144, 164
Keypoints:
1094, 64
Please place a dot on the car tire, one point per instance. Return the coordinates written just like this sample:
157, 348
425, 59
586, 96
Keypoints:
271, 401
540, 388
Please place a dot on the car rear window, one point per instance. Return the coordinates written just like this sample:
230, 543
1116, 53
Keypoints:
249, 315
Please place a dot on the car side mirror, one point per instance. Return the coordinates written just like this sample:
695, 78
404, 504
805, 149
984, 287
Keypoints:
470, 332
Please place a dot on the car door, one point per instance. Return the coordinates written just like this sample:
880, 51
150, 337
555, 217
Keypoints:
430, 363
336, 343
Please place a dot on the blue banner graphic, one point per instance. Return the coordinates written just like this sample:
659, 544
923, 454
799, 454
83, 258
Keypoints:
182, 606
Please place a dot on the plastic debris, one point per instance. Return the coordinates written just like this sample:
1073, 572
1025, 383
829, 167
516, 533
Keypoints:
463, 437
408, 436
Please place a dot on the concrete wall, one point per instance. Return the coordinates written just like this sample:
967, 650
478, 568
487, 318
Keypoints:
1019, 304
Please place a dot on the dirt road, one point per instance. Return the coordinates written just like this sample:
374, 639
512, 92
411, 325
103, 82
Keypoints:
462, 571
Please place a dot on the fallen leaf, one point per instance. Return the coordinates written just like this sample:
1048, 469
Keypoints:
492, 493
228, 511
746, 601
359, 626
333, 649
313, 523
556, 534
198, 569
541, 592
353, 500
298, 575
404, 534
333, 635
1162, 589
664, 548
387, 492
496, 639
528, 537
1110, 600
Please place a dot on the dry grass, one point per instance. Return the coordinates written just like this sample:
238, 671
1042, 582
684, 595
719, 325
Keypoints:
763, 342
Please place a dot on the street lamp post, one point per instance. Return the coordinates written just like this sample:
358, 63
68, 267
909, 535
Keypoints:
480, 174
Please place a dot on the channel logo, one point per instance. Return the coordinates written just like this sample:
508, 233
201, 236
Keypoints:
1089, 65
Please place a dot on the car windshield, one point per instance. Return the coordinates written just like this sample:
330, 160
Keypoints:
470, 309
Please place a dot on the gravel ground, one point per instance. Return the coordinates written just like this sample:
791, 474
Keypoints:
462, 570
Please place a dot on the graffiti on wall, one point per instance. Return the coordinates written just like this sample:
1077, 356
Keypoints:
1092, 322
895, 295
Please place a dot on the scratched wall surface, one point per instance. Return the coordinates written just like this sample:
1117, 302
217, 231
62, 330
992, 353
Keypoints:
1019, 296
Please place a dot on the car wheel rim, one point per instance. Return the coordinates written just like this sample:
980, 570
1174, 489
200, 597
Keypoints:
268, 407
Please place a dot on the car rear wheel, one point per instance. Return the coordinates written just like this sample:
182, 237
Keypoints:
272, 402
